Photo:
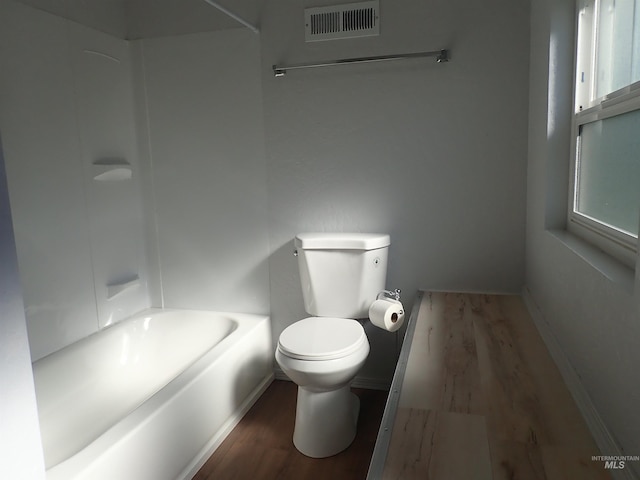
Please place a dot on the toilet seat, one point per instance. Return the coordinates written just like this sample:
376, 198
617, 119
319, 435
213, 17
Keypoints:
322, 338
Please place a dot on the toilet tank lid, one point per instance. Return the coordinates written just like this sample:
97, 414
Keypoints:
342, 241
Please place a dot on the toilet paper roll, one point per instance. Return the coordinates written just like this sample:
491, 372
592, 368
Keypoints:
387, 314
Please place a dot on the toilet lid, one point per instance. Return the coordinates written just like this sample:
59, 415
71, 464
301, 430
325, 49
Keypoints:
321, 338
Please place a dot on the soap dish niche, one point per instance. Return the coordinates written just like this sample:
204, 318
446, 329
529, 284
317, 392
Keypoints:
115, 289
112, 170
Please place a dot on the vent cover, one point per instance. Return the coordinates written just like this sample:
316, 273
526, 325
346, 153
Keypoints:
342, 21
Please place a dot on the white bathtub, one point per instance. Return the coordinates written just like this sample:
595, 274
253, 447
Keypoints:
151, 397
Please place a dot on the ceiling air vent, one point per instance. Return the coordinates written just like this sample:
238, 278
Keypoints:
342, 21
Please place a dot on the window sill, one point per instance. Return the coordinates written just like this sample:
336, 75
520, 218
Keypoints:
611, 268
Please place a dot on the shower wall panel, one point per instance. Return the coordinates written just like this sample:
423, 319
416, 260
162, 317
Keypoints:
208, 171
61, 111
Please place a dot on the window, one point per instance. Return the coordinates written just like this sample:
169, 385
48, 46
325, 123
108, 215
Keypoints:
605, 201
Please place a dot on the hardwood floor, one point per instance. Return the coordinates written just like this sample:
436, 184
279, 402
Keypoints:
482, 399
261, 446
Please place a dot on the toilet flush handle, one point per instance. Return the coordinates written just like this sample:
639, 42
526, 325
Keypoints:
295, 253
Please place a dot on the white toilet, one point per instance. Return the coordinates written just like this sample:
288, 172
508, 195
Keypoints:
341, 274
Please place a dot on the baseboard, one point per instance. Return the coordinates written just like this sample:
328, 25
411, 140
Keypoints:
603, 438
200, 459
368, 383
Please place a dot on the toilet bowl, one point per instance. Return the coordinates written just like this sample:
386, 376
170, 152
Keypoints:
341, 275
322, 356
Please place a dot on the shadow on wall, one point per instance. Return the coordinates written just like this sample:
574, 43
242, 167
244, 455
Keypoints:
286, 289
206, 278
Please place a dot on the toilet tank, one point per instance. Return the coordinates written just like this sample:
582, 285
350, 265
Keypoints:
341, 273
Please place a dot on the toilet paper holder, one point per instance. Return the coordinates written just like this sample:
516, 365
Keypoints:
392, 294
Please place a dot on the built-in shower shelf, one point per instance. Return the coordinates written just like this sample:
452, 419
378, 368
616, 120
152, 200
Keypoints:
112, 170
117, 288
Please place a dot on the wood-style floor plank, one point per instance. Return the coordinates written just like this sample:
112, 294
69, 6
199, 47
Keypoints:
442, 371
438, 444
512, 460
261, 445
480, 358
514, 412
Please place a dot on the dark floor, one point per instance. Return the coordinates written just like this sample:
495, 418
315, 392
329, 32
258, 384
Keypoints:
261, 446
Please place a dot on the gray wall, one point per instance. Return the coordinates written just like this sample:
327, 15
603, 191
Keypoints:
591, 303
433, 154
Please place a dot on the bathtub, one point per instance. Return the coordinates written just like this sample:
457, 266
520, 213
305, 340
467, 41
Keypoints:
150, 397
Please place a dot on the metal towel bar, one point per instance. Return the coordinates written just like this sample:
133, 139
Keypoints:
441, 56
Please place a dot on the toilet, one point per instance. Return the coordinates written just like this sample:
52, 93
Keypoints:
341, 274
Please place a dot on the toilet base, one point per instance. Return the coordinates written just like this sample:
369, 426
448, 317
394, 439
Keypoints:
325, 421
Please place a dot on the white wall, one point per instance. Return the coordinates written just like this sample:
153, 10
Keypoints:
433, 154
207, 168
65, 103
137, 19
591, 304
20, 448
166, 18
105, 15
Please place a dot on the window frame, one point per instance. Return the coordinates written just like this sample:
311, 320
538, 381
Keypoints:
619, 244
